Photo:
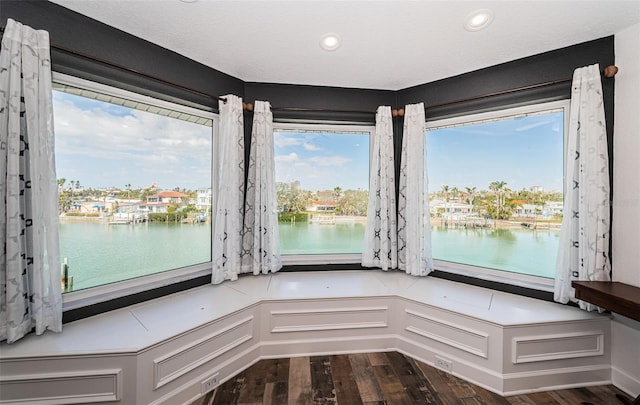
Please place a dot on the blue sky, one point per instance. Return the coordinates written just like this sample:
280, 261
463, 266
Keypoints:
104, 145
523, 152
322, 161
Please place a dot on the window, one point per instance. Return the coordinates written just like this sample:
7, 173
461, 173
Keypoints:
134, 186
496, 191
322, 183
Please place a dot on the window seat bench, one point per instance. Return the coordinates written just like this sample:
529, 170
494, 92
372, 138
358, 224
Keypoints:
161, 351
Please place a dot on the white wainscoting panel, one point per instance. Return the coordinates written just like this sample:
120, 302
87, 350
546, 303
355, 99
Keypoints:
529, 349
77, 387
196, 353
314, 320
448, 332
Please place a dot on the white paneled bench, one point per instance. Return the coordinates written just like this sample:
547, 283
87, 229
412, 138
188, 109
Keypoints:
173, 349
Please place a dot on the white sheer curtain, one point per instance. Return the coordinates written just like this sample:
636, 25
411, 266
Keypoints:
30, 291
414, 223
229, 193
380, 237
584, 236
261, 250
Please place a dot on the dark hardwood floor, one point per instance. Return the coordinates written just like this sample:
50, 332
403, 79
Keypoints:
375, 378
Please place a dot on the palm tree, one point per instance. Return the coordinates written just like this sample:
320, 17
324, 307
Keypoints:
445, 192
455, 193
337, 193
128, 187
471, 194
498, 187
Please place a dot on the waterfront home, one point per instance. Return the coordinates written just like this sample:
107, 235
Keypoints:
160, 202
322, 206
524, 210
203, 199
171, 337
167, 197
451, 209
552, 208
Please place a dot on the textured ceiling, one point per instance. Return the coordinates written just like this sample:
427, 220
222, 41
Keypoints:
385, 44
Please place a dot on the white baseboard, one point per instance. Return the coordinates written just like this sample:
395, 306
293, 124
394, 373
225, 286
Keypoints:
191, 390
478, 375
556, 379
625, 382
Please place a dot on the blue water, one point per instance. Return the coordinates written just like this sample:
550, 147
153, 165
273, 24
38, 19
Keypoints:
516, 250
314, 238
99, 253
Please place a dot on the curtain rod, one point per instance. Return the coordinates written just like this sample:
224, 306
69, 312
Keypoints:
327, 110
127, 69
609, 71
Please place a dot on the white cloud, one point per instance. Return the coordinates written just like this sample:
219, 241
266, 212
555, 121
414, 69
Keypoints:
283, 141
310, 147
329, 160
93, 139
290, 158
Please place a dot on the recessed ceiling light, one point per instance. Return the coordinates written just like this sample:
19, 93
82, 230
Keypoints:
478, 20
330, 42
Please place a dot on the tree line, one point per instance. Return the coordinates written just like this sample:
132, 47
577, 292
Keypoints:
292, 199
71, 192
499, 201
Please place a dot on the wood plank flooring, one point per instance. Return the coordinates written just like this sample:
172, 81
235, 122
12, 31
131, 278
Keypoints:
375, 379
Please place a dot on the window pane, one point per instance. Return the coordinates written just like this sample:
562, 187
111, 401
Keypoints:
495, 192
134, 188
322, 181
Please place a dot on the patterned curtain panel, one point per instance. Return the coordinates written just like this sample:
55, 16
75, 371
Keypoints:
585, 232
30, 291
414, 223
261, 249
380, 237
229, 206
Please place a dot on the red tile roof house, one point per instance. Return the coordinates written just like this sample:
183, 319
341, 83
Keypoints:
159, 202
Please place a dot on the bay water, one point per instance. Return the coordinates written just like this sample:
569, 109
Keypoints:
99, 253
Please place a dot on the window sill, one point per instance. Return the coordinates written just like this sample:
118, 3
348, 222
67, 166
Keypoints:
496, 276
107, 292
82, 304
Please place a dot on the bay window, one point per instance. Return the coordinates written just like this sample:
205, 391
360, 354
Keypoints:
496, 191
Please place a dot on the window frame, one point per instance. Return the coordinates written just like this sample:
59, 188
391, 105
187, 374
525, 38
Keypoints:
335, 258
483, 273
100, 294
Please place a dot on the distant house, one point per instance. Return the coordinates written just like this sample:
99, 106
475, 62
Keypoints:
526, 211
158, 203
203, 199
322, 206
453, 210
552, 208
